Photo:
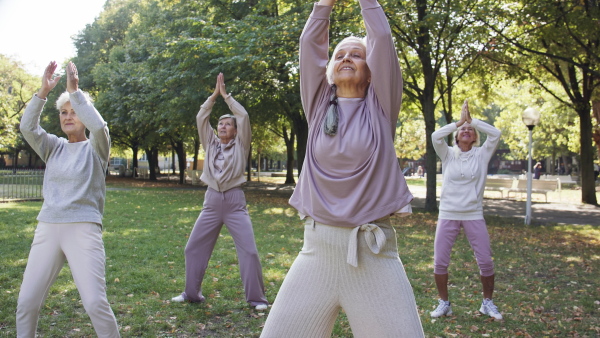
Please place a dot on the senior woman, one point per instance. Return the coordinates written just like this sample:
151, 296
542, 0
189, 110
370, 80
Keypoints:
224, 202
465, 168
70, 221
349, 186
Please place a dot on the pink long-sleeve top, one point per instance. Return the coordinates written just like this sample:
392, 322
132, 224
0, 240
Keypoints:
230, 169
351, 178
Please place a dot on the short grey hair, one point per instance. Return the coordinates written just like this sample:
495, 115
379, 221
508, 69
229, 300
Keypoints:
229, 116
329, 72
64, 98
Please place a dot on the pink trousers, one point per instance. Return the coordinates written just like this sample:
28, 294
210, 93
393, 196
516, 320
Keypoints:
220, 208
477, 234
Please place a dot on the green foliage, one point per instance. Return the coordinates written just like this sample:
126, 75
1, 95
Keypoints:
16, 89
547, 40
544, 282
557, 132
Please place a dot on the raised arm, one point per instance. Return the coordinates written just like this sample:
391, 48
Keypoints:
34, 134
89, 116
493, 137
314, 54
244, 133
382, 59
205, 131
438, 139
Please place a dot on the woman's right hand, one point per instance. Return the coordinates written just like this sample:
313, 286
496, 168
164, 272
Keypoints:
217, 91
48, 83
465, 116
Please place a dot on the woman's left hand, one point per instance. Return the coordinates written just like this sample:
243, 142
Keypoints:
72, 78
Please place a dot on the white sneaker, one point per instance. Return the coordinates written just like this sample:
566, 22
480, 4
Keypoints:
489, 308
178, 299
261, 307
444, 309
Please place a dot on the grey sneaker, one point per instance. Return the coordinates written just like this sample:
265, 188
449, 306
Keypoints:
444, 309
489, 308
261, 307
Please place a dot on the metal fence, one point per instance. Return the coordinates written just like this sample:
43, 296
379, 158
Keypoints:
21, 184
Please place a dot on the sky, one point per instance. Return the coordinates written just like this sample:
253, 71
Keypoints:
35, 32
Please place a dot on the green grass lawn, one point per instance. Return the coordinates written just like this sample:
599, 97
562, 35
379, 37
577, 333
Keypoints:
546, 284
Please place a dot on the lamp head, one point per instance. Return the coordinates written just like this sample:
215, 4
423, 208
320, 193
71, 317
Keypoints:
531, 117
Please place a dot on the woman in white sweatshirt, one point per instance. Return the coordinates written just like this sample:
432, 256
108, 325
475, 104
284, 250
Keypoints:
70, 222
464, 168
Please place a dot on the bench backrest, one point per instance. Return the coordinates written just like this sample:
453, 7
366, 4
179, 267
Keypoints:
546, 184
499, 183
551, 185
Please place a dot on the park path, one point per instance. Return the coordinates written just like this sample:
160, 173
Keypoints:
568, 212
542, 213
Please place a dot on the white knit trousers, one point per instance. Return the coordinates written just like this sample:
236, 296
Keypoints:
375, 295
81, 245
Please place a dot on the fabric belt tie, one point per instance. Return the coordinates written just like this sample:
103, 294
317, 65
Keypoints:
374, 236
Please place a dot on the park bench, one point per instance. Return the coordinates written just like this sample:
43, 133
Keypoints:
537, 187
195, 176
499, 184
143, 173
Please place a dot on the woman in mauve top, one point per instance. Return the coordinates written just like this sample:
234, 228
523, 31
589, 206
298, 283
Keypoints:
224, 202
349, 186
70, 222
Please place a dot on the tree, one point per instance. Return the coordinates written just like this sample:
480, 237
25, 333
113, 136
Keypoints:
558, 131
438, 43
16, 89
558, 39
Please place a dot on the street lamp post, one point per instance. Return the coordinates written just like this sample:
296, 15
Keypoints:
531, 117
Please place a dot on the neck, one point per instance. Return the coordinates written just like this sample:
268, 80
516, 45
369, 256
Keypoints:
76, 138
352, 90
465, 147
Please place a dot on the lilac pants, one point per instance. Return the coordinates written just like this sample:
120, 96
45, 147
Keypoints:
477, 234
220, 208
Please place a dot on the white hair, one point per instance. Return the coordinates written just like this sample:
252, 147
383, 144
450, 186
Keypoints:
329, 72
477, 141
64, 98
457, 150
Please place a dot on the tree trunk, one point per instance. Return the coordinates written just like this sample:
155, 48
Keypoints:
152, 155
196, 151
16, 160
289, 146
426, 99
249, 165
134, 161
258, 168
180, 149
300, 126
588, 184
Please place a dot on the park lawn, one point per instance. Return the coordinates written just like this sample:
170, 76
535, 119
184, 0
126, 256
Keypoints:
546, 284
